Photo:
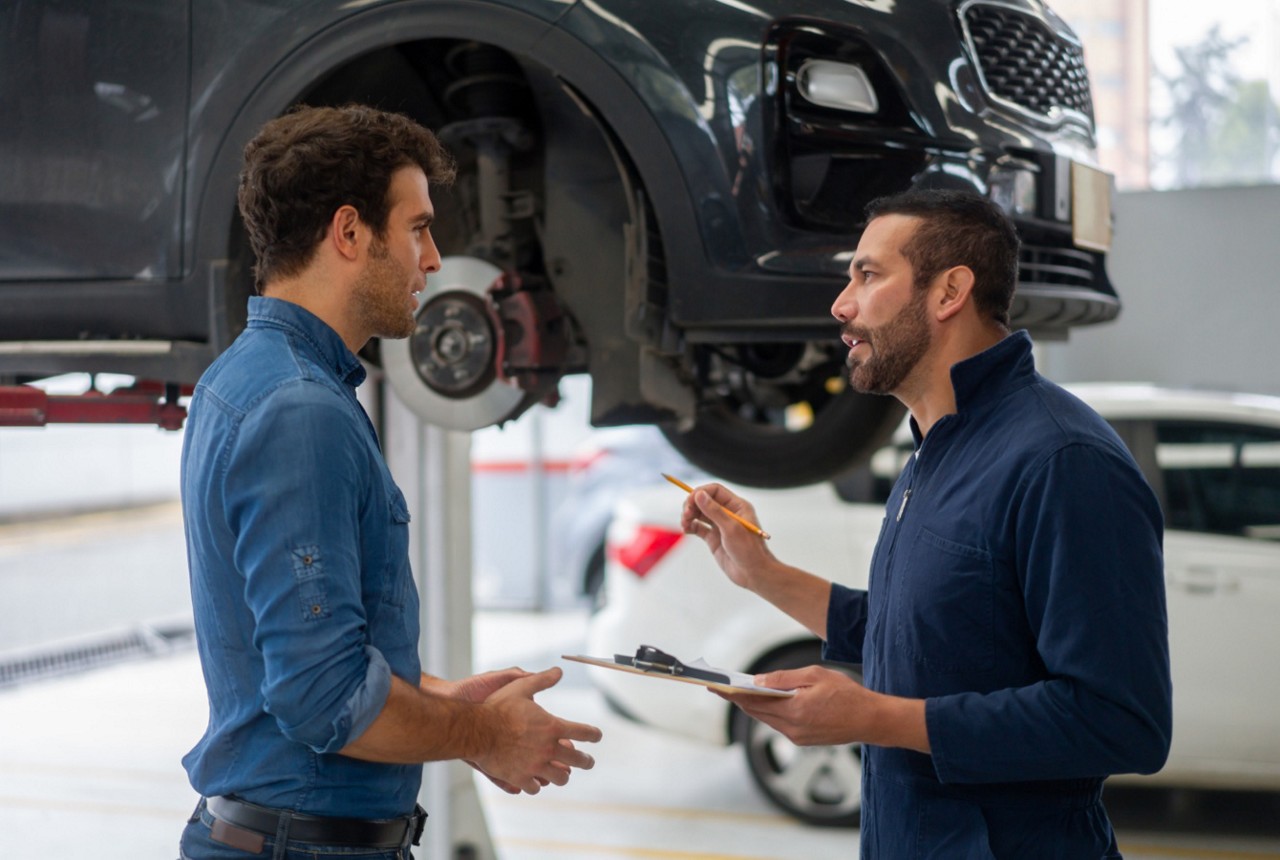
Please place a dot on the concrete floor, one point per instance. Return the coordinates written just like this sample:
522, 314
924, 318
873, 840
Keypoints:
94, 759
90, 763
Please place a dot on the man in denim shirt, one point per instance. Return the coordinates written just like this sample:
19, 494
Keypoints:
1013, 636
305, 607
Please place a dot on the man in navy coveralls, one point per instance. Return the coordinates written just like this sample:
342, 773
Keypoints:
1013, 636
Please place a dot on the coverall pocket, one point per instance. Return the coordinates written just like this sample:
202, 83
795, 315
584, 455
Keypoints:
945, 596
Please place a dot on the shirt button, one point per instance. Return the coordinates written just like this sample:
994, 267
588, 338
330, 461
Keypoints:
306, 559
315, 610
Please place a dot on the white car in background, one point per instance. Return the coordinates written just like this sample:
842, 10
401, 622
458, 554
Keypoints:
1214, 462
609, 463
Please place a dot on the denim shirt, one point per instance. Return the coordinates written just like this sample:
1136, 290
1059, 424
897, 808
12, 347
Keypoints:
1018, 587
297, 544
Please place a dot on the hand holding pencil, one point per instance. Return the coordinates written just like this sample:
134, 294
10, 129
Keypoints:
747, 524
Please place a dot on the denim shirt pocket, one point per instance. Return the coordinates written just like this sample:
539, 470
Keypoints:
397, 584
946, 605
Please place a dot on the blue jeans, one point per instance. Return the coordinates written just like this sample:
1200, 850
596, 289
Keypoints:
198, 844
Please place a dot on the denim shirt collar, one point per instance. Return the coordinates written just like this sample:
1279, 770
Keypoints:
330, 349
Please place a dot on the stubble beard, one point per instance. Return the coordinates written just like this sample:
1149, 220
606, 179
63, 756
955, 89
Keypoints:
380, 293
896, 349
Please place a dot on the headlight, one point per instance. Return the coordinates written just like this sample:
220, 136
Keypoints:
837, 85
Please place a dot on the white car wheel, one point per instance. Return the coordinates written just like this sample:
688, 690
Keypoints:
818, 785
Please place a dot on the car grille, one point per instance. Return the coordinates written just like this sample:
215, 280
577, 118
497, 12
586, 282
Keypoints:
1059, 288
1025, 63
1041, 264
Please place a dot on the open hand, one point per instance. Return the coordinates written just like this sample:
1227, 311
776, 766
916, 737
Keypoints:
536, 747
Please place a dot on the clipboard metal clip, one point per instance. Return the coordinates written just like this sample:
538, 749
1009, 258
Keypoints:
651, 659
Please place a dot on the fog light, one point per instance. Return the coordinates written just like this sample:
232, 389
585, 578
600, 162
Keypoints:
837, 85
1014, 191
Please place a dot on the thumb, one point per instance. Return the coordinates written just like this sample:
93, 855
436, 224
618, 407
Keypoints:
535, 683
780, 679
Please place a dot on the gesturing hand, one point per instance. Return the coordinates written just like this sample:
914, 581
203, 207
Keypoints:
536, 748
738, 551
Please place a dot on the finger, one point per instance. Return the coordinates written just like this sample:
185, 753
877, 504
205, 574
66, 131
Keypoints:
724, 497
691, 516
571, 757
714, 513
580, 732
699, 527
503, 784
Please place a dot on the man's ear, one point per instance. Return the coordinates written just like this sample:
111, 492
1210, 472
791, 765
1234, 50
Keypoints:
345, 232
954, 291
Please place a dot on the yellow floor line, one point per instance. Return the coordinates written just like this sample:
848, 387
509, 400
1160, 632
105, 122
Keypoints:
562, 848
764, 818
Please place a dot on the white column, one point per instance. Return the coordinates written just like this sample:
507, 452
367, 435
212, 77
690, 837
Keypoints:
433, 468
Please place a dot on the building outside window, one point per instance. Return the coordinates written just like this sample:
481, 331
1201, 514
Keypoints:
1185, 94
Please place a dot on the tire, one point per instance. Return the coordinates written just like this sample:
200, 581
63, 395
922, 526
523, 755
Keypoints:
817, 785
844, 433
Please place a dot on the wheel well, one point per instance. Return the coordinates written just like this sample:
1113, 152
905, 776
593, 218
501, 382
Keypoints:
581, 201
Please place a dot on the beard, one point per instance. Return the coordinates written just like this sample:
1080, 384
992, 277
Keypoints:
381, 296
896, 348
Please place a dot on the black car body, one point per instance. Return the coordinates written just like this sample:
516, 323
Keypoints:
661, 194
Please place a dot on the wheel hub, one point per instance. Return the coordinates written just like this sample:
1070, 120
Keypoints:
446, 371
454, 349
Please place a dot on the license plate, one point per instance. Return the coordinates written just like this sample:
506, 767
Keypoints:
1090, 207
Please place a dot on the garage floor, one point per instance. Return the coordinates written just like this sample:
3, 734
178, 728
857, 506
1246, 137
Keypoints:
89, 763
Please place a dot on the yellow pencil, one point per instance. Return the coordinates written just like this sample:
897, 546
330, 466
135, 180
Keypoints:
750, 526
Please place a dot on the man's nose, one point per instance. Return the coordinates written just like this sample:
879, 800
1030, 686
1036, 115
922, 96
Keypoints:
430, 260
844, 308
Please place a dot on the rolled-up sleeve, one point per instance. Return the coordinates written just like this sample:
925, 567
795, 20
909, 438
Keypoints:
1089, 554
295, 483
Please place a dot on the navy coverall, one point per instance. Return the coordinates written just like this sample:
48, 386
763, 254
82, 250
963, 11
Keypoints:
1017, 586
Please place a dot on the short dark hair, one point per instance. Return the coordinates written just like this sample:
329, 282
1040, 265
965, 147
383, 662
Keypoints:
305, 165
960, 228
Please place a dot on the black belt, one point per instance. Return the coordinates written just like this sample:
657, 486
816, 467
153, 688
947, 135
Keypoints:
364, 832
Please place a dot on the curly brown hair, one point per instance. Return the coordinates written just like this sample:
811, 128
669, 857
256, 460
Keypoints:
303, 166
960, 228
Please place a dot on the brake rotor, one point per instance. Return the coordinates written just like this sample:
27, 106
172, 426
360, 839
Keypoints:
446, 371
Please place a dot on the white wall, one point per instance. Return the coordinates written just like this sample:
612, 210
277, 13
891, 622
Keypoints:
71, 467
1197, 274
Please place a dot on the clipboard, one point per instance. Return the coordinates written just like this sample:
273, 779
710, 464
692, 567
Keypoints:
656, 663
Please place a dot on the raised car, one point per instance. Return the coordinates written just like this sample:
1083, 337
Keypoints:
661, 194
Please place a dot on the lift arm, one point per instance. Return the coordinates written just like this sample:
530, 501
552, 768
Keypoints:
146, 402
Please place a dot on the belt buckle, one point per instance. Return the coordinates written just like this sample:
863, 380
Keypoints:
419, 823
